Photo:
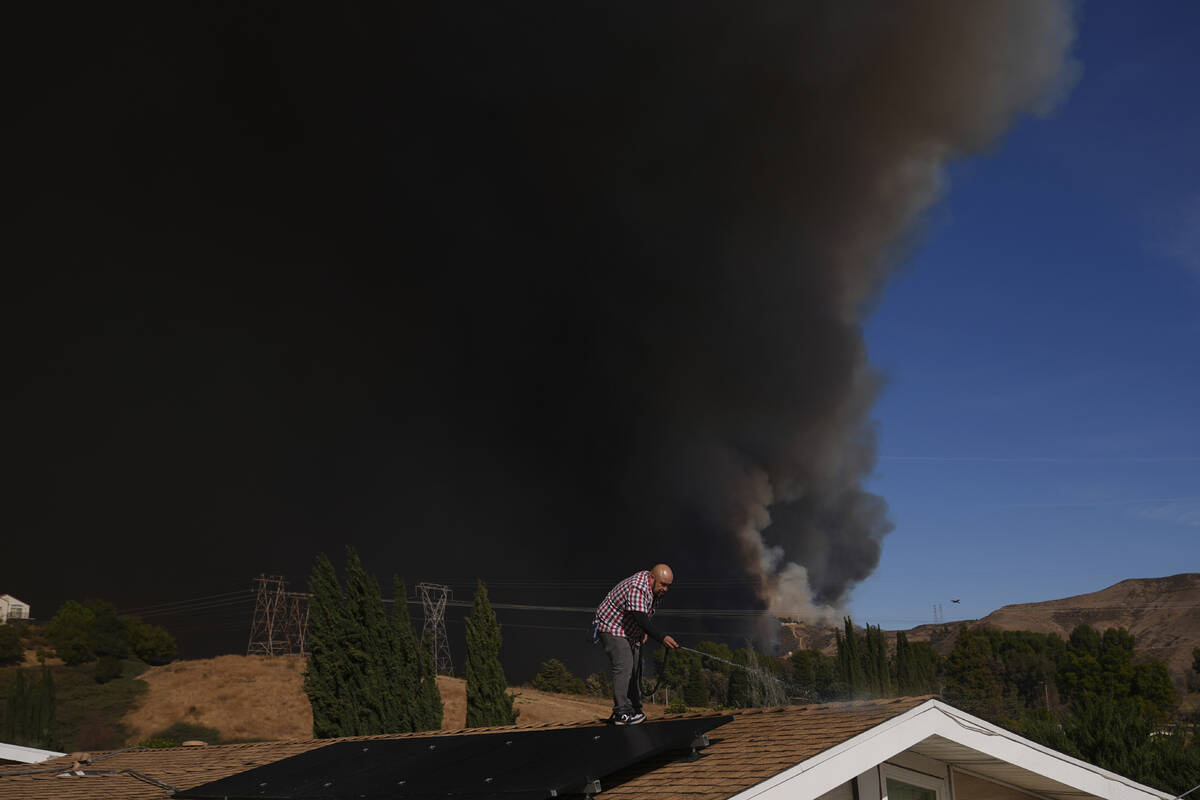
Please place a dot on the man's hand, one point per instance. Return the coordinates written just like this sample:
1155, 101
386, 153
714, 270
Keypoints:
670, 642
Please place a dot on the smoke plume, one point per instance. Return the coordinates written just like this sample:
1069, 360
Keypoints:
536, 288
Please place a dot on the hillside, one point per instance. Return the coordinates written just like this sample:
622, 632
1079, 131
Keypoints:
1163, 614
255, 697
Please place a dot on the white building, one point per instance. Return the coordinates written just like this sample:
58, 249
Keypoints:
12, 608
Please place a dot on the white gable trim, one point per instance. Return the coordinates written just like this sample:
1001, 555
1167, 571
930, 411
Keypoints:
851, 758
26, 755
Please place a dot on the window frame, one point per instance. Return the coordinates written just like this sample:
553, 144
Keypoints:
921, 780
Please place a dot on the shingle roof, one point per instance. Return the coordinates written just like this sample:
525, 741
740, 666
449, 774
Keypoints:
757, 744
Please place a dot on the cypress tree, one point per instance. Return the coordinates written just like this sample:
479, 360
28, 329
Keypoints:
739, 689
850, 661
488, 702
385, 699
328, 677
416, 678
430, 699
45, 721
16, 710
696, 693
406, 681
906, 679
878, 670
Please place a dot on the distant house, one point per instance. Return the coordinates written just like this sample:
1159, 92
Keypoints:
12, 608
898, 749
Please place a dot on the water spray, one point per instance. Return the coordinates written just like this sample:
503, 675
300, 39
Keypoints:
773, 690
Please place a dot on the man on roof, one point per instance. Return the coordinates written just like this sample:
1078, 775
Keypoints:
622, 624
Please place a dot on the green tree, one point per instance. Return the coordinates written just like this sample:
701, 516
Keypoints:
429, 698
814, 674
553, 676
927, 667
488, 701
696, 692
740, 695
673, 666
876, 665
850, 661
46, 715
383, 685
11, 651
906, 668
327, 678
599, 684
29, 712
973, 677
1101, 666
150, 643
16, 711
70, 632
417, 678
721, 654
107, 632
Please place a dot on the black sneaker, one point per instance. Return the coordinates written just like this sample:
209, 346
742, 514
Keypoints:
636, 718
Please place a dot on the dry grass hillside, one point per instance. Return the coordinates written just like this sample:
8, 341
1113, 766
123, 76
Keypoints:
255, 697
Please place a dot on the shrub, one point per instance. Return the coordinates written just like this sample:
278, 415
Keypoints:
598, 684
150, 643
181, 732
70, 633
11, 651
107, 668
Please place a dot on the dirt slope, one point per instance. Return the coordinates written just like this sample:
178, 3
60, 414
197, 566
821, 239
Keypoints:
255, 697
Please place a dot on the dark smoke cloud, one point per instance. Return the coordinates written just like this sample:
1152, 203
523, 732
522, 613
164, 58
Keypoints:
553, 288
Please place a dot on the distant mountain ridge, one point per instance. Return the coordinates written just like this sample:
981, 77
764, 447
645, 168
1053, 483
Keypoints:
1163, 614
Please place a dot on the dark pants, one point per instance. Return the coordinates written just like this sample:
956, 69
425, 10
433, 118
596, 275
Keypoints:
625, 669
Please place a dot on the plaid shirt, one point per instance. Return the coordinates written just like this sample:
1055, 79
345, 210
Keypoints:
631, 594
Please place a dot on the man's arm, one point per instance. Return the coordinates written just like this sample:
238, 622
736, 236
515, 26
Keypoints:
643, 620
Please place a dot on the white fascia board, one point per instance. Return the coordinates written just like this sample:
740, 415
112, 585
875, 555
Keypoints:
851, 758
26, 755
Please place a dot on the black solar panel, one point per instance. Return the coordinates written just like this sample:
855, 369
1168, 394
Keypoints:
513, 765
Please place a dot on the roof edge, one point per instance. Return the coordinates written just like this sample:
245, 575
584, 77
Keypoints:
847, 760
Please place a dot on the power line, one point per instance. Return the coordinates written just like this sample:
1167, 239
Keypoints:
434, 599
280, 622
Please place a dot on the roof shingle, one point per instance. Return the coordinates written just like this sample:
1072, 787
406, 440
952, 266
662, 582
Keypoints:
756, 745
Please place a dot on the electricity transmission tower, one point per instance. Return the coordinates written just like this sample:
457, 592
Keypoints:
280, 622
433, 602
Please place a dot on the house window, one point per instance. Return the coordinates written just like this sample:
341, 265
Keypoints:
904, 784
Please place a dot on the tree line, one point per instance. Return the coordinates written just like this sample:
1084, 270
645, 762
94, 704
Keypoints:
87, 634
1086, 696
367, 671
90, 632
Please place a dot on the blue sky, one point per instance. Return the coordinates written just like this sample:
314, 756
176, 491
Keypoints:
1038, 430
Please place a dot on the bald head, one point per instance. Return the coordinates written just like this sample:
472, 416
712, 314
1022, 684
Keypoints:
661, 578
